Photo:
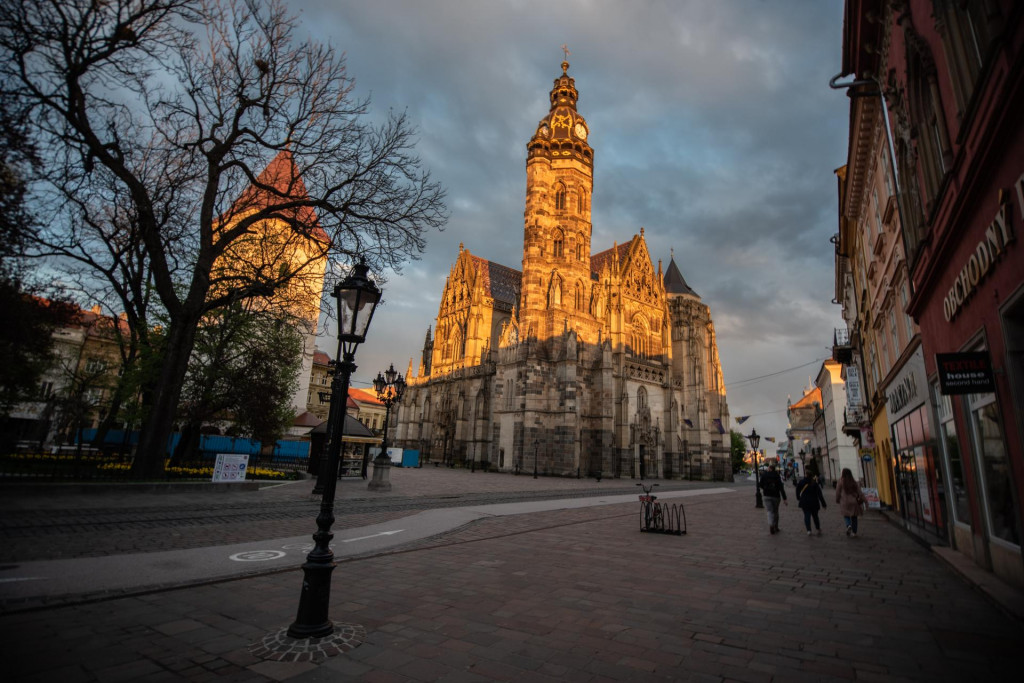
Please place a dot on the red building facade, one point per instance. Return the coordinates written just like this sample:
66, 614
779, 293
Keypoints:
952, 74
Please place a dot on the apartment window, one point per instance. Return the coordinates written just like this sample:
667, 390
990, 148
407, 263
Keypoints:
907, 320
895, 335
45, 391
95, 365
887, 175
878, 211
966, 41
885, 351
926, 113
874, 365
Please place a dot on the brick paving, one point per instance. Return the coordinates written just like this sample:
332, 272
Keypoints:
56, 522
574, 595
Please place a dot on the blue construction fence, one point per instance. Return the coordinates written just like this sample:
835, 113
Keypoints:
212, 444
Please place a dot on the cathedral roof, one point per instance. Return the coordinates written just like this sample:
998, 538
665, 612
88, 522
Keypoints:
598, 260
563, 132
279, 182
501, 283
674, 281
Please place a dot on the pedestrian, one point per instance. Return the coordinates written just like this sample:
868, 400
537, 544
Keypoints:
771, 485
810, 499
850, 499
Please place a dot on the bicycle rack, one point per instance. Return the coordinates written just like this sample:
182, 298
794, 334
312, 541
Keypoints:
662, 518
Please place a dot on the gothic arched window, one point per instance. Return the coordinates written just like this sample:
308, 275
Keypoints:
579, 247
560, 197
555, 293
581, 201
558, 247
639, 338
578, 299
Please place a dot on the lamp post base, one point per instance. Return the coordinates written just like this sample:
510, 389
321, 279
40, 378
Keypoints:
381, 474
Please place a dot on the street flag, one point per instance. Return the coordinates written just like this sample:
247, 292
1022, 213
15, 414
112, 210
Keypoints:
688, 423
718, 423
770, 438
741, 420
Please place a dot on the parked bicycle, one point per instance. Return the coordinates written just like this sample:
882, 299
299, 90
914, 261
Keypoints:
651, 514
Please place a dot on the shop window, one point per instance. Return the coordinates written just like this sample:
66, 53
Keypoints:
990, 449
954, 461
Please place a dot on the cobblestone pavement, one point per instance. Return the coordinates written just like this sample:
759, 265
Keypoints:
52, 524
571, 595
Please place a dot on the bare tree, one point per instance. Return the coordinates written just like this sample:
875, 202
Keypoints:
217, 124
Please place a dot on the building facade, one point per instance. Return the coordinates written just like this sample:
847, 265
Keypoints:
583, 362
952, 75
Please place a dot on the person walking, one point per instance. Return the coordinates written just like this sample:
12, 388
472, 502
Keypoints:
850, 500
810, 499
774, 491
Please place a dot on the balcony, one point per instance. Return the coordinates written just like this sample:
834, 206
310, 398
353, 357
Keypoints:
842, 350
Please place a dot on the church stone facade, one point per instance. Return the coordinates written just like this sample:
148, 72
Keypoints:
582, 363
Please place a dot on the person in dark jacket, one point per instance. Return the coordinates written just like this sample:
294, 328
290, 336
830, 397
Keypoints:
810, 499
771, 485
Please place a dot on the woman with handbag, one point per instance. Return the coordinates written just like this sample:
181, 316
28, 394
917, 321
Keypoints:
850, 500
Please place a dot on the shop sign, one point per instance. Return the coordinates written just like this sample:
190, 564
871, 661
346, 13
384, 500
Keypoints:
965, 373
853, 386
906, 391
997, 237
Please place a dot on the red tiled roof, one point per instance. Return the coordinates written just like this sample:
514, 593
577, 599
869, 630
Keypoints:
598, 260
284, 181
500, 282
321, 358
364, 396
808, 400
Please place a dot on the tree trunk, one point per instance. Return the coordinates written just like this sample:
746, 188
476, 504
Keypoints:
156, 430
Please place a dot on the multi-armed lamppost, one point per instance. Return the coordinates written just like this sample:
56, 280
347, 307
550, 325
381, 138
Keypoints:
357, 298
755, 440
389, 385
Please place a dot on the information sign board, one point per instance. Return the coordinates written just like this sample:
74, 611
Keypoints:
230, 466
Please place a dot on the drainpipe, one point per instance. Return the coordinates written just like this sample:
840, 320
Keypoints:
832, 83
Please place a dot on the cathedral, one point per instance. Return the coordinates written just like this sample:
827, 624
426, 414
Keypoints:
582, 363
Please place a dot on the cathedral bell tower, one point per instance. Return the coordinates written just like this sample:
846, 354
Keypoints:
556, 286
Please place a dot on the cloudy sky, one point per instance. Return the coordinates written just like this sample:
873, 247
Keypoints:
713, 128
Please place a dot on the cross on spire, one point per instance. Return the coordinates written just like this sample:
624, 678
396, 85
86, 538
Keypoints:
565, 49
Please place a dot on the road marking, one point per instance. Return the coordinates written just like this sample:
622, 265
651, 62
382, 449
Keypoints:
257, 555
24, 578
383, 533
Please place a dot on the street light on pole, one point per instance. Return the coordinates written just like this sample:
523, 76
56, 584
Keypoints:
389, 385
755, 440
357, 299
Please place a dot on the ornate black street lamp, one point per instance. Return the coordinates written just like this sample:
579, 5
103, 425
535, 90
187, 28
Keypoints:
357, 299
389, 385
755, 440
